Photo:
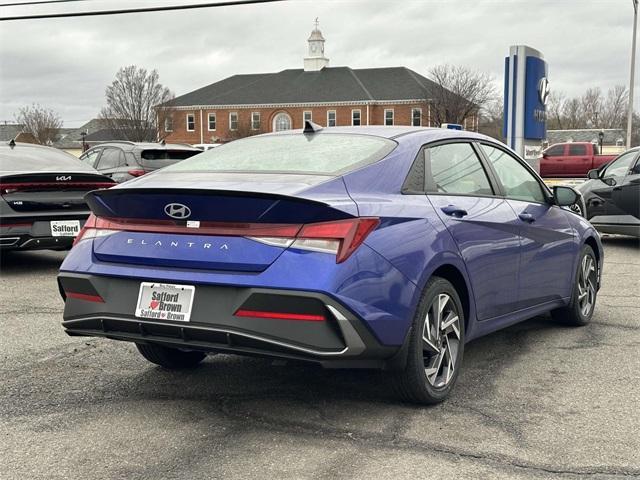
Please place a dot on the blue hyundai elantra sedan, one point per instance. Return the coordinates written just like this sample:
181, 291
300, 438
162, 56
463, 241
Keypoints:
358, 247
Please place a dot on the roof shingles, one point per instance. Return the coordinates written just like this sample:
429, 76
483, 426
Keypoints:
337, 84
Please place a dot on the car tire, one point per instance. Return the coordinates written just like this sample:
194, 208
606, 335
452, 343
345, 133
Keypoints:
585, 290
170, 358
435, 350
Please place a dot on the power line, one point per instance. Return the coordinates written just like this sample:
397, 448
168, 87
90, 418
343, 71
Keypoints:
40, 2
137, 10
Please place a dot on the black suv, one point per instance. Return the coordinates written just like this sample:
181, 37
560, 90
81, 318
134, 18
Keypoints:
123, 160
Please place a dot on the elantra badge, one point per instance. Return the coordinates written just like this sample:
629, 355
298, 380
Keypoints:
177, 210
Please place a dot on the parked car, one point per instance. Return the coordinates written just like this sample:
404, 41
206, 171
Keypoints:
206, 146
122, 161
612, 195
370, 247
572, 159
41, 196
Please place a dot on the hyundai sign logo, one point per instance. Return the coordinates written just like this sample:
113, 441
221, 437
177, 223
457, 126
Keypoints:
177, 210
543, 90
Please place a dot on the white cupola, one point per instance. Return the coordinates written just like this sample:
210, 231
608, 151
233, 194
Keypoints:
315, 60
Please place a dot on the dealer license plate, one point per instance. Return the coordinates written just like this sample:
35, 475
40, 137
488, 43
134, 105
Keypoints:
65, 228
165, 301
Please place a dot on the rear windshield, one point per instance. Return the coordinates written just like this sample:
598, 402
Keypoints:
26, 158
167, 154
324, 154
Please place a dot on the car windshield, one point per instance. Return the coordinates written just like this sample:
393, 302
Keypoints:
323, 154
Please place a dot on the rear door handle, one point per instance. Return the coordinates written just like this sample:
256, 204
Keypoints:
454, 211
527, 217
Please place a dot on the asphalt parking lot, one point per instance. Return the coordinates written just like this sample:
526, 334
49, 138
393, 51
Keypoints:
537, 400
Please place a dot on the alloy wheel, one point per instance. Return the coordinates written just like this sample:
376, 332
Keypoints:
441, 341
586, 285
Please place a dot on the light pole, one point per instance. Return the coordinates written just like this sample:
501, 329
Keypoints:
633, 68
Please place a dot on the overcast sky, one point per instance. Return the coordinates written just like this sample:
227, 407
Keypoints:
65, 64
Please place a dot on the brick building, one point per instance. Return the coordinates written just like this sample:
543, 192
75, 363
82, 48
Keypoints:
243, 105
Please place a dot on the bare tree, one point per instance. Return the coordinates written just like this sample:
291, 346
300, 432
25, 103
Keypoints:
591, 102
132, 99
43, 123
555, 112
614, 107
491, 120
573, 114
459, 92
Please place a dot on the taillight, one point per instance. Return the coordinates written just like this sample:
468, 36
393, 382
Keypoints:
136, 172
93, 229
6, 188
340, 238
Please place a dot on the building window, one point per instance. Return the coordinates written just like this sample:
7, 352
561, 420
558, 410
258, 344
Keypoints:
331, 118
306, 116
255, 120
355, 118
233, 121
388, 116
168, 123
281, 121
191, 122
416, 117
212, 122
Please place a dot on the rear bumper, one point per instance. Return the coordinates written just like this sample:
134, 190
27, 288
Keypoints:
342, 340
34, 233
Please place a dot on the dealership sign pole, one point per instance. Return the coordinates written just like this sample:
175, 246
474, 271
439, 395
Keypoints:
526, 91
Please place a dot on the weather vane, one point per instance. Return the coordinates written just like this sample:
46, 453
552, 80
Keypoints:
316, 22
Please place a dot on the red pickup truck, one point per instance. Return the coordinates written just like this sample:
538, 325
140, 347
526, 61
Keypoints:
572, 159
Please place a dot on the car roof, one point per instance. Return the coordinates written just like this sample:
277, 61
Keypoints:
396, 132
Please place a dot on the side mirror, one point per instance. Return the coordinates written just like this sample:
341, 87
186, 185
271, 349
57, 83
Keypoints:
565, 196
610, 181
593, 174
544, 155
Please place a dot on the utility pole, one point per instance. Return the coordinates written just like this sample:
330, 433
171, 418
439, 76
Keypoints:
633, 68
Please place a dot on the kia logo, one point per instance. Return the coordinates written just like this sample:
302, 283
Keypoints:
63, 178
177, 210
543, 90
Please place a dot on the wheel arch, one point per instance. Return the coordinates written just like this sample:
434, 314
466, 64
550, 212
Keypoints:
453, 275
594, 245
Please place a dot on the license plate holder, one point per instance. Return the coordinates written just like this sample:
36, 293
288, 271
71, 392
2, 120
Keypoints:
165, 301
64, 228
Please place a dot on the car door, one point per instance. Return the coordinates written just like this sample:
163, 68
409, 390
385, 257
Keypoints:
552, 161
578, 162
548, 246
482, 224
626, 196
617, 188
111, 160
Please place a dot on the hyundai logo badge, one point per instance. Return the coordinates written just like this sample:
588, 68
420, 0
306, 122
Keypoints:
543, 90
177, 210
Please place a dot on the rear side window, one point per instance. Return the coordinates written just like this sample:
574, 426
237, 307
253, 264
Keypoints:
111, 158
90, 158
321, 153
577, 150
167, 154
456, 169
555, 151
